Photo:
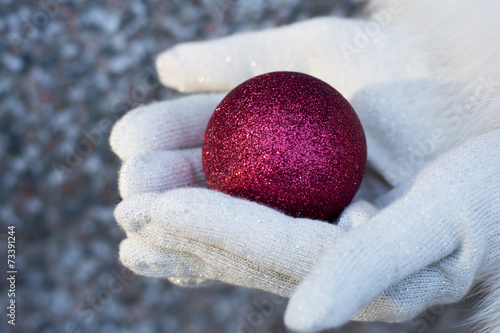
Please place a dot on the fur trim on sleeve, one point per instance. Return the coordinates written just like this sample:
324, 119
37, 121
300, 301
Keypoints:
462, 39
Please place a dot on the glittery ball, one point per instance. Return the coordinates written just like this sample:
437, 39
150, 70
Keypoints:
287, 140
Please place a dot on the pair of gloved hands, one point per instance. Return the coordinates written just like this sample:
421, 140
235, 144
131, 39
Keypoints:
424, 227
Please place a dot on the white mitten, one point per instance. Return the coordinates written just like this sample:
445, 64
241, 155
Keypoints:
392, 254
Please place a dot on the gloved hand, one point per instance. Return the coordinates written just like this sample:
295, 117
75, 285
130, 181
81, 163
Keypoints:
392, 254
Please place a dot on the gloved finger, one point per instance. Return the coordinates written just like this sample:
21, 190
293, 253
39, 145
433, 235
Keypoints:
409, 297
149, 260
367, 260
133, 215
159, 171
243, 228
182, 218
355, 214
188, 269
221, 64
180, 268
173, 124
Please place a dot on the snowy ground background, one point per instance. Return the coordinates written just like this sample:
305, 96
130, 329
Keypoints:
67, 70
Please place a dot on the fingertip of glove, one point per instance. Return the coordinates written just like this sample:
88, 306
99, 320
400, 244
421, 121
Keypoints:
318, 302
131, 254
169, 69
307, 317
356, 214
133, 178
123, 137
115, 140
125, 251
298, 320
133, 213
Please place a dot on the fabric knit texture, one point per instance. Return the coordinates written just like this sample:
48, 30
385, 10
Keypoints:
424, 228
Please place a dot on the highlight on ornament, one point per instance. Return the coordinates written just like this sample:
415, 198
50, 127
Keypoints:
287, 140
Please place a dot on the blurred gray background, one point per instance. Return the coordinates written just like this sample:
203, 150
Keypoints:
70, 69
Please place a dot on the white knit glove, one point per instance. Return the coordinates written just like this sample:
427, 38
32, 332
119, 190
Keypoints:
392, 254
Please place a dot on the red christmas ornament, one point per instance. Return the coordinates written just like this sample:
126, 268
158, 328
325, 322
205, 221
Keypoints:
287, 140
